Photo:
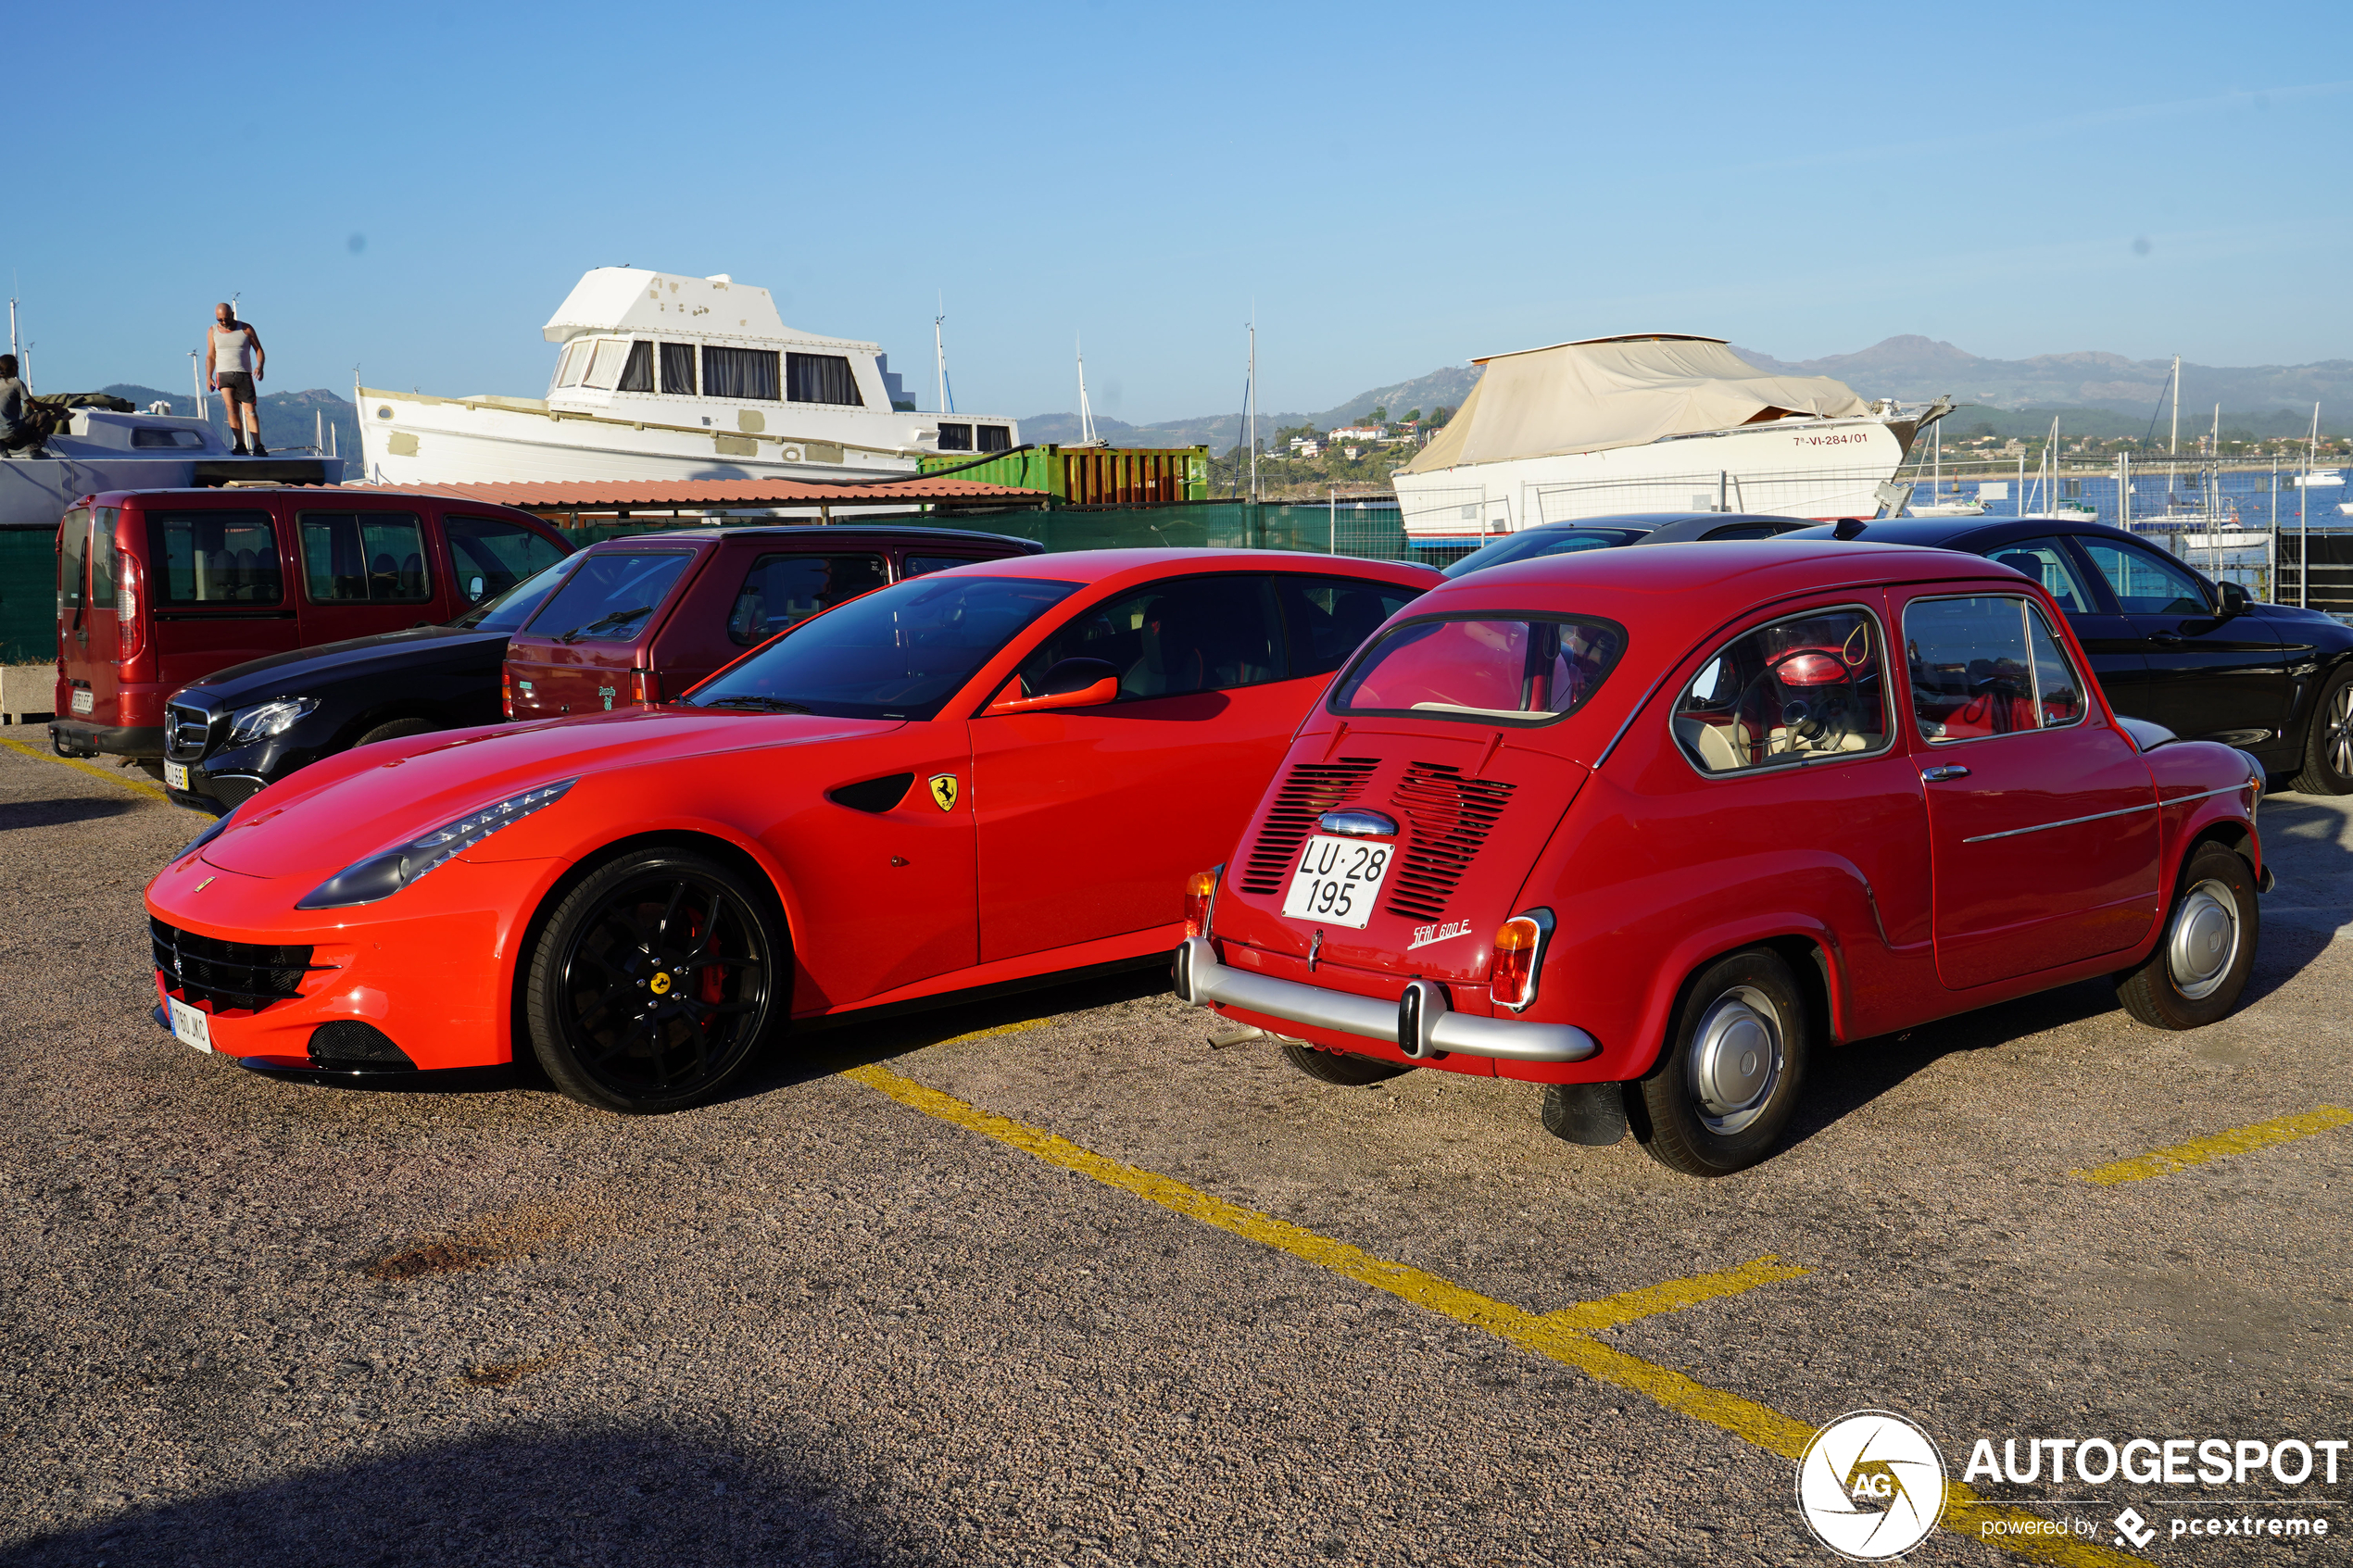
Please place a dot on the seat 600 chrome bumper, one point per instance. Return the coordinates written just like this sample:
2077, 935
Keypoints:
1418, 1024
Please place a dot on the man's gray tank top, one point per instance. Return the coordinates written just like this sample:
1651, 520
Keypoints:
232, 350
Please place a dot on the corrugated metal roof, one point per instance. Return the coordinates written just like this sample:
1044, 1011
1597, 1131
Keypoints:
596, 494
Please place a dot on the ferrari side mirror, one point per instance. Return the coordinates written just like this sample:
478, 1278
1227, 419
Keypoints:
1072, 683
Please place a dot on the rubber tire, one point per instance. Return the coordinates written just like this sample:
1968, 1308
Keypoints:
1666, 1120
2320, 776
1349, 1070
2148, 992
544, 979
394, 729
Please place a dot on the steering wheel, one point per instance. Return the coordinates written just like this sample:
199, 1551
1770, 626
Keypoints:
1823, 724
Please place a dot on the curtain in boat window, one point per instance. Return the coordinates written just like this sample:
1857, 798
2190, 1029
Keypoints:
575, 361
678, 367
739, 373
605, 369
821, 378
638, 374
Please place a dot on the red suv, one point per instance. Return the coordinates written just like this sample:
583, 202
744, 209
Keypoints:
157, 588
644, 617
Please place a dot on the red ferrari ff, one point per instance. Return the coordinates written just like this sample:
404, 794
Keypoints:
982, 775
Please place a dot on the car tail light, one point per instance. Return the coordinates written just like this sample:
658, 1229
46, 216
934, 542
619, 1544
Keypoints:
506, 696
648, 687
1512, 979
1200, 892
129, 635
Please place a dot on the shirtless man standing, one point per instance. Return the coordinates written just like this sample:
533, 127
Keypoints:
233, 361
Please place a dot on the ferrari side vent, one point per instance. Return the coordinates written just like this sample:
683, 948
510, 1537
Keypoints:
1310, 790
1447, 818
874, 795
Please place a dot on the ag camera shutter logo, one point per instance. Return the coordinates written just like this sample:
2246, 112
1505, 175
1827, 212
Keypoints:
1871, 1486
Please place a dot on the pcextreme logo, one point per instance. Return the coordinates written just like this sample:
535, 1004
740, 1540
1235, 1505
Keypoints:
1871, 1486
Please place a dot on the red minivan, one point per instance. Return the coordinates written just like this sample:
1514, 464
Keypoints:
644, 617
157, 588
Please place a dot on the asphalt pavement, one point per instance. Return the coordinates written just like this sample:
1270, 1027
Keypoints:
1047, 1279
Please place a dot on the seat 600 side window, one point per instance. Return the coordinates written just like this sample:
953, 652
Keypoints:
1986, 665
1803, 689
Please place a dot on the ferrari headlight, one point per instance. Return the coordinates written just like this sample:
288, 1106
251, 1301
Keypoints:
381, 876
267, 719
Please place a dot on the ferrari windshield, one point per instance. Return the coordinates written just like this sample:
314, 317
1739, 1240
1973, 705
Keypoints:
898, 653
1499, 670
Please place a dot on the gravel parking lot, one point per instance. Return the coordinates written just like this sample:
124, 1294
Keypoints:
1105, 1294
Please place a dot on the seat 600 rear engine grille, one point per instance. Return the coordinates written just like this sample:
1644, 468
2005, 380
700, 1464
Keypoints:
1445, 817
243, 976
1311, 789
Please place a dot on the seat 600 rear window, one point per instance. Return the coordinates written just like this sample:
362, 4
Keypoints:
1805, 688
1486, 670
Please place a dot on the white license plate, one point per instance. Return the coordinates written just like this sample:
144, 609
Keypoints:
1338, 880
84, 700
192, 1025
176, 775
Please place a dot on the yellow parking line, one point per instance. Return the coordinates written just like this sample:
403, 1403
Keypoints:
1592, 1317
1965, 1511
110, 774
2217, 1145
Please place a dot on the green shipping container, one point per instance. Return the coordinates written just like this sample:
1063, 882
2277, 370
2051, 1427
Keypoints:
1094, 476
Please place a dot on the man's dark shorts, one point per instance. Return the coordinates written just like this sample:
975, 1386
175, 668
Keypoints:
236, 385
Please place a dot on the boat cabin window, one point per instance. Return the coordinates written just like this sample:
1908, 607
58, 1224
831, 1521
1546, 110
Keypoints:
574, 363
955, 438
993, 438
637, 375
739, 373
678, 367
150, 436
604, 368
821, 378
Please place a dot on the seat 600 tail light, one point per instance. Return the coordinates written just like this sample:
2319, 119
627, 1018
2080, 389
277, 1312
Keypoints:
1518, 953
1200, 895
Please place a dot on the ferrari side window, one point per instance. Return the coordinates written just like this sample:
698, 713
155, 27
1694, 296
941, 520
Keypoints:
1986, 665
1800, 690
1183, 636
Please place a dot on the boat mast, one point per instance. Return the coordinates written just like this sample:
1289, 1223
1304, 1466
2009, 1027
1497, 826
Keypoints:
1086, 412
1250, 408
940, 358
2175, 449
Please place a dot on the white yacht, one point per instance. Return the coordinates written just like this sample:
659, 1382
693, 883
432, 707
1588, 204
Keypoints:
666, 377
118, 448
1651, 422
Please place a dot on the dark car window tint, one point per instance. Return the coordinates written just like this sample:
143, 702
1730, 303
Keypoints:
1742, 530
898, 654
103, 555
363, 558
2047, 562
608, 598
1986, 665
511, 609
1482, 669
1808, 687
918, 566
73, 538
1326, 619
783, 590
216, 557
1183, 636
491, 556
1538, 543
2145, 581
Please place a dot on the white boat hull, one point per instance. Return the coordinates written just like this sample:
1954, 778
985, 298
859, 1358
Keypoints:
1822, 468
96, 454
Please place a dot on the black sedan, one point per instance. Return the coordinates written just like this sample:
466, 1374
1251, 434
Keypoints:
1624, 528
2201, 659
250, 725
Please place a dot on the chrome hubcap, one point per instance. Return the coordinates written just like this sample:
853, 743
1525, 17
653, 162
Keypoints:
2339, 742
1736, 1059
2205, 942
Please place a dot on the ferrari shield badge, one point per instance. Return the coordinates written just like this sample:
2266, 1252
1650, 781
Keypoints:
943, 790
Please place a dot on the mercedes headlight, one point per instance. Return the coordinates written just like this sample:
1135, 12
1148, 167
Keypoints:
264, 720
381, 876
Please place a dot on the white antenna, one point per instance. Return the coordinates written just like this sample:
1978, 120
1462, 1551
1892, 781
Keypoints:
196, 381
1249, 407
1086, 410
939, 356
12, 318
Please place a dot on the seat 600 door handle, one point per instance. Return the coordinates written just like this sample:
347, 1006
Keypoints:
1949, 770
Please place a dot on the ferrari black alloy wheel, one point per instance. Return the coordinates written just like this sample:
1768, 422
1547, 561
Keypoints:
654, 981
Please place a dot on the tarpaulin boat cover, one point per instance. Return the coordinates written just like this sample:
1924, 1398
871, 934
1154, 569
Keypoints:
1618, 392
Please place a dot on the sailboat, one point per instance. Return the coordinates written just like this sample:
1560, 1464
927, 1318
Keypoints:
1086, 436
1940, 504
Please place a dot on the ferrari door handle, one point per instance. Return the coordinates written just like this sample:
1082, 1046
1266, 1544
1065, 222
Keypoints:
1949, 770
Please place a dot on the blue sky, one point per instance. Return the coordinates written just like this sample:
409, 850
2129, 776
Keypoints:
1391, 188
